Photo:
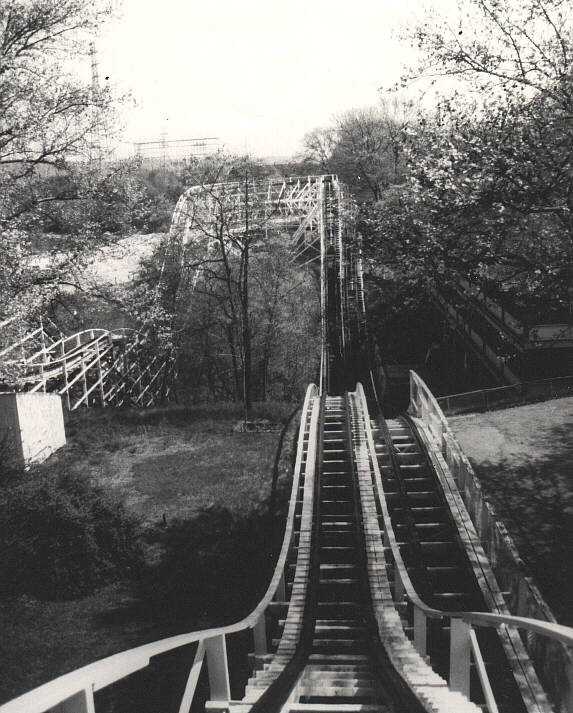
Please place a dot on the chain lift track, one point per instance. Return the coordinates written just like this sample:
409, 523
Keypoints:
383, 599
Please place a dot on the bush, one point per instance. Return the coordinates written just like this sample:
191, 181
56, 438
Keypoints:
62, 537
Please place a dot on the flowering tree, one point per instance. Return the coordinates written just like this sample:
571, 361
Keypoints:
490, 174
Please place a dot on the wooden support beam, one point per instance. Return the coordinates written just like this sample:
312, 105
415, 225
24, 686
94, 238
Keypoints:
191, 684
460, 654
218, 668
420, 631
260, 635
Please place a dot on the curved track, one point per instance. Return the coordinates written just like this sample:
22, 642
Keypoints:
383, 599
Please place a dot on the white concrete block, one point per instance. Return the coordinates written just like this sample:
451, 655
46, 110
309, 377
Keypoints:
33, 424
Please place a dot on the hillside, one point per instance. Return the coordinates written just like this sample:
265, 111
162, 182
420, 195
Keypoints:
523, 458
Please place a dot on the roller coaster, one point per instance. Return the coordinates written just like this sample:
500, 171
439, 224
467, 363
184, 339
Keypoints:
395, 588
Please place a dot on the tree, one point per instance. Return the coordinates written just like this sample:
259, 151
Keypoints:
47, 117
490, 176
364, 147
58, 201
500, 48
239, 312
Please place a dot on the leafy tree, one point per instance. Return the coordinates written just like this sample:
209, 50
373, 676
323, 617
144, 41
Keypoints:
364, 147
223, 290
489, 191
500, 47
46, 115
50, 176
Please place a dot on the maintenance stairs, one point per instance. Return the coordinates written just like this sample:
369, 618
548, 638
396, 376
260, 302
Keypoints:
435, 557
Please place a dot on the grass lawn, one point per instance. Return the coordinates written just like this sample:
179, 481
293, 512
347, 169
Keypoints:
524, 459
198, 488
174, 465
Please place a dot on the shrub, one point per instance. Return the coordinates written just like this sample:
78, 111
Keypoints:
62, 537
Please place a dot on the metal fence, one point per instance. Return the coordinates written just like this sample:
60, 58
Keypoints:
503, 396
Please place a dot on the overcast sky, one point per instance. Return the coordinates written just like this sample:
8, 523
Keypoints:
256, 73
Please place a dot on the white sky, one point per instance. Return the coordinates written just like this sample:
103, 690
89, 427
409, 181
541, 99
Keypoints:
258, 74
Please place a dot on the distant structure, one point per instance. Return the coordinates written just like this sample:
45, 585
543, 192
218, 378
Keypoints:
94, 69
165, 151
98, 144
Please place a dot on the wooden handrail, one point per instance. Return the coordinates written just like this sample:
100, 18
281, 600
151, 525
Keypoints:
102, 673
559, 632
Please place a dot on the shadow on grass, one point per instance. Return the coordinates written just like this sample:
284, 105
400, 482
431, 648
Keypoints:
213, 569
535, 501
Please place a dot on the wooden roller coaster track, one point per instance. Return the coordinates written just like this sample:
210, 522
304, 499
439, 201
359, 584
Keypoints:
383, 597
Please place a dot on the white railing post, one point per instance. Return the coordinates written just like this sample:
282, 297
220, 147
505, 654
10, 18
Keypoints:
65, 369
280, 594
413, 394
420, 631
460, 654
218, 668
81, 702
260, 635
191, 685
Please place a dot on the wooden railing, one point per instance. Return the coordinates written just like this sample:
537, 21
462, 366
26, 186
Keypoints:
75, 690
489, 356
538, 334
553, 661
463, 642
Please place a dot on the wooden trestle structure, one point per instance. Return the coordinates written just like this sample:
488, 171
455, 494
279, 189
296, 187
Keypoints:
385, 596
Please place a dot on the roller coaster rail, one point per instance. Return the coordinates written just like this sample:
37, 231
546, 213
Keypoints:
522, 595
344, 636
463, 642
76, 689
91, 367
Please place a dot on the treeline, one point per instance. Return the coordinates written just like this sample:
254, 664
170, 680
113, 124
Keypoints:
473, 174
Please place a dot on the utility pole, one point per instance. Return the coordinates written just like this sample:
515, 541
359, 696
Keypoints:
95, 142
164, 150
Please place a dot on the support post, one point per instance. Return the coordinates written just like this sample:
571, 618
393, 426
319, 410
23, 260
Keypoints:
65, 367
398, 585
80, 702
100, 375
420, 631
260, 635
280, 594
44, 357
460, 654
191, 685
84, 381
218, 668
